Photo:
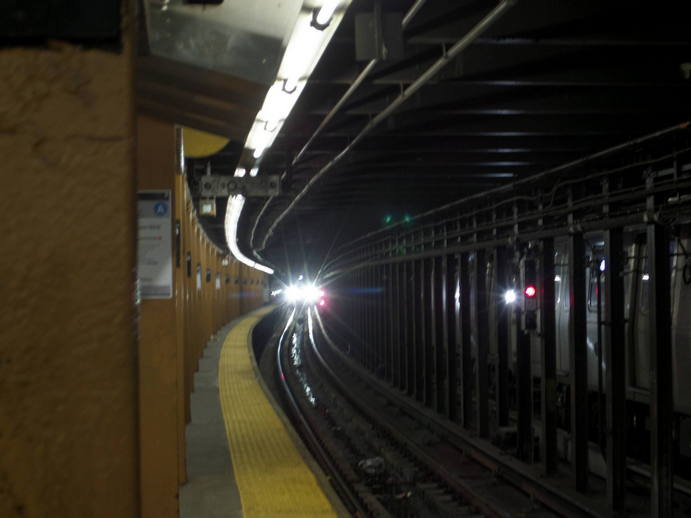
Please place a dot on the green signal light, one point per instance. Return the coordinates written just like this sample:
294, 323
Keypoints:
407, 218
388, 219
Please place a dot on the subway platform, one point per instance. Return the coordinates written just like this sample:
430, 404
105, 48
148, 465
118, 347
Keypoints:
243, 459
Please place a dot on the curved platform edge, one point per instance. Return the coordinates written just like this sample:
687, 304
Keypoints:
275, 473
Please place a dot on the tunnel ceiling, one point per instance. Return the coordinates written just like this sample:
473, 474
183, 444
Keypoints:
549, 82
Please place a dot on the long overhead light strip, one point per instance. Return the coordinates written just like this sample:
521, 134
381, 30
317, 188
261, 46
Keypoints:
233, 211
309, 39
235, 204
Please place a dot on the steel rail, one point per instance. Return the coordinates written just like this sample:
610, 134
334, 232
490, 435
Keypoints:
461, 487
416, 85
415, 8
505, 468
350, 500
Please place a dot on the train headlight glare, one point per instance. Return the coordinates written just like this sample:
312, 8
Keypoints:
292, 294
509, 296
309, 294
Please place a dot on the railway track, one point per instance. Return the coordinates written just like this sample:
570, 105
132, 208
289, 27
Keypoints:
381, 460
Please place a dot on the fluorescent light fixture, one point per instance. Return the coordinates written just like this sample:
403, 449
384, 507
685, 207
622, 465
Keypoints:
235, 204
254, 171
233, 211
327, 11
645, 277
305, 47
304, 50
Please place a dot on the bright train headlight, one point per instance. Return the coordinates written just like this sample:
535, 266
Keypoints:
509, 296
292, 294
309, 294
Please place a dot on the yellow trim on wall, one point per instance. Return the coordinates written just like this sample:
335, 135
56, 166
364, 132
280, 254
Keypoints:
197, 144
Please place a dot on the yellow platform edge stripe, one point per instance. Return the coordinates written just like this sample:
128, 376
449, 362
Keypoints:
272, 477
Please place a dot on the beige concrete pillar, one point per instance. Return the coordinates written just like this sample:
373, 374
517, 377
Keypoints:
161, 390
68, 402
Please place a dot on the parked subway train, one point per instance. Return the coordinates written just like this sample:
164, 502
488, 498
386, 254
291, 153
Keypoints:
637, 356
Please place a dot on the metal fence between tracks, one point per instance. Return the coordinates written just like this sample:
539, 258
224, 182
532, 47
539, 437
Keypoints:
428, 332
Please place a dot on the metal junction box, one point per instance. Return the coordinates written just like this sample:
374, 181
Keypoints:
248, 186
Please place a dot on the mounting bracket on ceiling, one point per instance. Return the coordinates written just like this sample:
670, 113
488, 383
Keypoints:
216, 186
378, 35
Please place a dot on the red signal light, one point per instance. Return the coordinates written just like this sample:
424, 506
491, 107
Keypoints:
530, 291
322, 303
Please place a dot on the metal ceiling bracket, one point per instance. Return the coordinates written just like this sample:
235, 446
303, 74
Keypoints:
248, 186
378, 36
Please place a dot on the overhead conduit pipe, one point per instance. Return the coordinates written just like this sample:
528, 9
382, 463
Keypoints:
414, 9
423, 79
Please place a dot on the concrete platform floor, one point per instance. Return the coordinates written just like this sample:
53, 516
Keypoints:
211, 490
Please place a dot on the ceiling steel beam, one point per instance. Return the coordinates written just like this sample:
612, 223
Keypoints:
426, 76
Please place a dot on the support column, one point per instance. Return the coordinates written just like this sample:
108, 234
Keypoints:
661, 385
431, 334
501, 267
159, 386
68, 373
453, 339
524, 380
482, 374
421, 325
465, 357
442, 337
615, 353
578, 350
412, 295
393, 316
404, 326
548, 349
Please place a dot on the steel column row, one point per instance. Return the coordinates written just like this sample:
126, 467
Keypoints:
417, 319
